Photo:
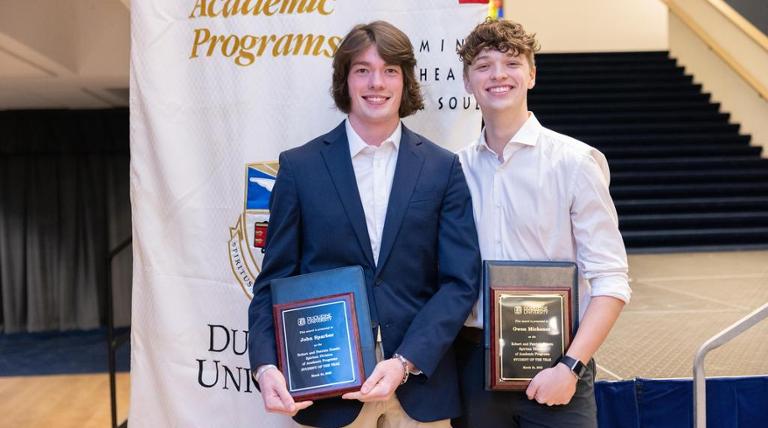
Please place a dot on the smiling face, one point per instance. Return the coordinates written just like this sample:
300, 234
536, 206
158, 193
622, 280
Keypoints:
500, 82
375, 89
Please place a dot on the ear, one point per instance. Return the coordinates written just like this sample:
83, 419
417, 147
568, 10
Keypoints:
532, 82
467, 85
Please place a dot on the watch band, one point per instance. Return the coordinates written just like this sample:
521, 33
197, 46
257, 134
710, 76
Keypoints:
262, 370
406, 372
577, 367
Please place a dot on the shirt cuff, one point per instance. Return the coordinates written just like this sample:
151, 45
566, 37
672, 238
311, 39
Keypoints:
613, 285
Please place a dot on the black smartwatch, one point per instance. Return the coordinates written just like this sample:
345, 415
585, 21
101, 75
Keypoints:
577, 367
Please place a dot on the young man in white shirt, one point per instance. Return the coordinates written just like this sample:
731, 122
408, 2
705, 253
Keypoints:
537, 195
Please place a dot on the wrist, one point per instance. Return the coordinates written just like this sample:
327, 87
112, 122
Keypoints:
261, 370
566, 369
405, 363
574, 365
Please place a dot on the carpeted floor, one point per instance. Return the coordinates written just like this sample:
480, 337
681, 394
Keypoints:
26, 354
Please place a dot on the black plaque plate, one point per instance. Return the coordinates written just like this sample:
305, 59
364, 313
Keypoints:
319, 346
530, 330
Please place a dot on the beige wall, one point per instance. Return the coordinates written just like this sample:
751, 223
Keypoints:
593, 25
736, 96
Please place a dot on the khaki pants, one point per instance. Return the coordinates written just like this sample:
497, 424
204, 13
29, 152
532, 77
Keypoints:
389, 414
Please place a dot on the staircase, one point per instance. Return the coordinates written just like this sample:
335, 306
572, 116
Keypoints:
682, 176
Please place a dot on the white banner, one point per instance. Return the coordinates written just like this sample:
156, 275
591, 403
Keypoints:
218, 89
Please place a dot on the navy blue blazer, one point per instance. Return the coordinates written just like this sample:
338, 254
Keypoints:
424, 285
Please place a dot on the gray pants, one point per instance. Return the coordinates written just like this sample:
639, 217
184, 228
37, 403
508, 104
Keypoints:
485, 409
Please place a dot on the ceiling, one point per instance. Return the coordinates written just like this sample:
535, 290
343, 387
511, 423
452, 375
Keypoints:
64, 53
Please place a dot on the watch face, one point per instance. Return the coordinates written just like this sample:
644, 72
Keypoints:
580, 369
577, 367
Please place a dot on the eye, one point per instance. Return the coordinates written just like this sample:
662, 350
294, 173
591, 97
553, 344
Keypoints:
391, 70
481, 67
360, 70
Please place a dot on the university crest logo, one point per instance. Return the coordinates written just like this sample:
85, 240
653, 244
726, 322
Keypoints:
248, 237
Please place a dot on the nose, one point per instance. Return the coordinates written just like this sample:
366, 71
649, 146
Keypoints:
498, 72
376, 80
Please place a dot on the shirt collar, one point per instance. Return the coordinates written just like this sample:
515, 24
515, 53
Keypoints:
527, 135
357, 144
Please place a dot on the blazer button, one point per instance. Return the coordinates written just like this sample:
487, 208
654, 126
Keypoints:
378, 282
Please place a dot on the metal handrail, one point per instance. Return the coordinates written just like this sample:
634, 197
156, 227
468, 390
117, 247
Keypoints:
725, 336
113, 342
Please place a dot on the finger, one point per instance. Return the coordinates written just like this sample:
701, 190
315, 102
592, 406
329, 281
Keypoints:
371, 382
301, 405
532, 389
275, 405
272, 403
286, 398
378, 393
381, 391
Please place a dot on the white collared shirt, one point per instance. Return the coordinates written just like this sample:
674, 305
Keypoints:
547, 200
374, 170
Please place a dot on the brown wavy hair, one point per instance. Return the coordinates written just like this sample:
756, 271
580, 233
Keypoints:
393, 46
499, 35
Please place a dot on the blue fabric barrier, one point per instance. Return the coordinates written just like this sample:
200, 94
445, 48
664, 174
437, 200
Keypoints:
616, 404
737, 402
732, 402
665, 403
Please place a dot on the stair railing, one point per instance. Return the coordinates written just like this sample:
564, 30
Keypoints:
113, 341
699, 379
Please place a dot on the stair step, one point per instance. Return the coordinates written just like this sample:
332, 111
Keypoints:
597, 88
540, 98
646, 117
692, 205
671, 139
612, 77
586, 130
623, 107
601, 70
686, 237
688, 177
619, 152
670, 249
718, 190
688, 164
629, 223
606, 70
603, 58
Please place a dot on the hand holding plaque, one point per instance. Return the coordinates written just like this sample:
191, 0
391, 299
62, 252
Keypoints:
275, 394
319, 346
529, 309
530, 331
323, 332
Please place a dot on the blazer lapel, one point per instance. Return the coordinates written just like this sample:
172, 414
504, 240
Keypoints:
409, 162
339, 163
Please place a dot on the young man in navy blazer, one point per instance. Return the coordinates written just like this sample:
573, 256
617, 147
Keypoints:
375, 194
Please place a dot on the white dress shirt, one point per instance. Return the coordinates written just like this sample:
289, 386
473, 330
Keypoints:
374, 170
547, 200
